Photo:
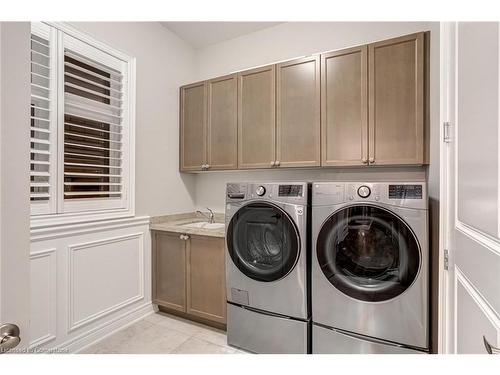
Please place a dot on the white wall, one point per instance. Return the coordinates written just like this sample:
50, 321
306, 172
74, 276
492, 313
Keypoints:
164, 62
294, 39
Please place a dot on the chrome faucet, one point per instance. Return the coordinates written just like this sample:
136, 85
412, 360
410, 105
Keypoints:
209, 215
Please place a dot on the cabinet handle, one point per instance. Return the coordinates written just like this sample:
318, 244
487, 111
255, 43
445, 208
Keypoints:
273, 163
364, 160
489, 348
184, 237
371, 160
277, 163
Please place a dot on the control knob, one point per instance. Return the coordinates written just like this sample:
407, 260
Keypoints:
364, 191
261, 190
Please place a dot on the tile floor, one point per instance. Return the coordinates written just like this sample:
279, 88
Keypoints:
161, 333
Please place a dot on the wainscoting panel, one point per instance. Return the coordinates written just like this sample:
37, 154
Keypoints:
110, 270
43, 296
88, 281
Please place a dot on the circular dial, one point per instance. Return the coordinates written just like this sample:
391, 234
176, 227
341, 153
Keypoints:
364, 191
261, 190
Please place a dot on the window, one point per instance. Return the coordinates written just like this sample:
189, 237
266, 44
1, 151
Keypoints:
81, 124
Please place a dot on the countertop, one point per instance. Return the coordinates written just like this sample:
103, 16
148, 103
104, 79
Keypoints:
173, 223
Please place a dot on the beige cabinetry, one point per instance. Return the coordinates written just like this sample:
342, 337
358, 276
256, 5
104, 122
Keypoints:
193, 119
364, 105
396, 101
298, 113
209, 125
169, 270
189, 275
344, 106
206, 280
222, 133
256, 118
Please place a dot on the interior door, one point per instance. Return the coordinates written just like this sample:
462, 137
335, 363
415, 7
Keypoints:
14, 179
471, 187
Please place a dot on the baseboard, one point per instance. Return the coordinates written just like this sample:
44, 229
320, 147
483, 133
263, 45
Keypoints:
77, 344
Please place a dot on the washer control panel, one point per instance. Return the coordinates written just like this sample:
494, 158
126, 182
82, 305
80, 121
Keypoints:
285, 192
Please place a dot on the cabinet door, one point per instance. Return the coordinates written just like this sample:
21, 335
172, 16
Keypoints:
169, 271
396, 100
256, 118
223, 123
193, 126
344, 122
298, 113
206, 290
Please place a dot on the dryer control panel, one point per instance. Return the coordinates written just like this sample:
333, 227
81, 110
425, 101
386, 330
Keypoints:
404, 194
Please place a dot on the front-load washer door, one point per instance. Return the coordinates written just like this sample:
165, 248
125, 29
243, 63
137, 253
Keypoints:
263, 242
368, 253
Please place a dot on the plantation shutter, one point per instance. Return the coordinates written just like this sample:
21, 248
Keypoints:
93, 132
43, 120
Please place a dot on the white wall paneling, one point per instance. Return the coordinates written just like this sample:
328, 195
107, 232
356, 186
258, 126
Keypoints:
88, 280
112, 266
43, 296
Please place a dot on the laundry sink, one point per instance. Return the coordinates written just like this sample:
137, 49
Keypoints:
203, 225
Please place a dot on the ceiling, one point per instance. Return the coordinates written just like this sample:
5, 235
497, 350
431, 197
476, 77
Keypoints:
202, 34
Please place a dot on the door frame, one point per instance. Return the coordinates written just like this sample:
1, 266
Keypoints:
15, 76
446, 29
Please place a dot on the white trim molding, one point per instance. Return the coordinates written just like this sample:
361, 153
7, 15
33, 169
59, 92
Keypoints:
72, 324
65, 230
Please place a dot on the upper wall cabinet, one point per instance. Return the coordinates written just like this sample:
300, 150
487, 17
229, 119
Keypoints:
344, 106
298, 113
256, 118
193, 119
364, 105
222, 134
209, 125
396, 101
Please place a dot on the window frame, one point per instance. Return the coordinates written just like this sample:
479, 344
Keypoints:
84, 210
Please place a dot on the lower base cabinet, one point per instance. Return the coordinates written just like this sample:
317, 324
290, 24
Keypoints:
189, 276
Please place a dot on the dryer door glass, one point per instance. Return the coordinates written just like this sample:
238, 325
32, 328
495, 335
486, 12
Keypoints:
263, 241
368, 253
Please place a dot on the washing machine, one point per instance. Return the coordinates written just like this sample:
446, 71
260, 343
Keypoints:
267, 267
370, 267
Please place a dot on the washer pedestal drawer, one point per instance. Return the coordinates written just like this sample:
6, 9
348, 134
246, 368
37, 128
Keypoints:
330, 341
261, 332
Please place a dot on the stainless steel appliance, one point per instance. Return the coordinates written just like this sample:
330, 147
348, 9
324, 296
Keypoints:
267, 267
369, 267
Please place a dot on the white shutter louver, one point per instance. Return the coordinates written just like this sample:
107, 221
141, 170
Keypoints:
93, 149
43, 142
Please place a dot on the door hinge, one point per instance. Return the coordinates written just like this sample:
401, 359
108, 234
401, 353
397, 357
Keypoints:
447, 132
446, 260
